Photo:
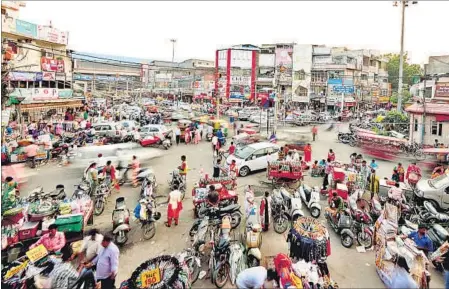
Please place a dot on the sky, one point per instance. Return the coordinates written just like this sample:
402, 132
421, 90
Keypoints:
143, 29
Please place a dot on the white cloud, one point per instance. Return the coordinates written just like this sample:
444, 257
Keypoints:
143, 29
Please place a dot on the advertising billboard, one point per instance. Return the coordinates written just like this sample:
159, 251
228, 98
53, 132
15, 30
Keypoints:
50, 64
284, 64
267, 60
52, 34
442, 90
26, 28
222, 58
302, 68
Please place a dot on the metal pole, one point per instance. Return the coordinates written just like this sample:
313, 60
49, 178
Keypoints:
424, 107
218, 107
401, 57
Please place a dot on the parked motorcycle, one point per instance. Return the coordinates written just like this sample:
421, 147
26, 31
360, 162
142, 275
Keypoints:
344, 137
362, 225
177, 180
311, 198
342, 224
120, 222
82, 189
285, 208
193, 261
430, 215
217, 213
150, 178
253, 244
38, 194
219, 257
148, 220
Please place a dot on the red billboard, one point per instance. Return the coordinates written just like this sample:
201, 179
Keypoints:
50, 64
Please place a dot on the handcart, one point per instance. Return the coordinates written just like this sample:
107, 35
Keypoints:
285, 174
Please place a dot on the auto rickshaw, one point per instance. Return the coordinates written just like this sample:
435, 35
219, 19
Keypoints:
219, 124
183, 124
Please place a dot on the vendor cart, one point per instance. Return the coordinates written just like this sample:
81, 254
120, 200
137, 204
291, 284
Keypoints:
243, 139
285, 174
199, 196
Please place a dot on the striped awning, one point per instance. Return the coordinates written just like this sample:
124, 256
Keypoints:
50, 105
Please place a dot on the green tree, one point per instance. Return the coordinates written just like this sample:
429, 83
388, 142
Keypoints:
396, 121
410, 70
406, 96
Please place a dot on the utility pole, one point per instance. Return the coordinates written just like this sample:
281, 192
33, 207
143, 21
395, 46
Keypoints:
423, 131
276, 100
404, 4
173, 41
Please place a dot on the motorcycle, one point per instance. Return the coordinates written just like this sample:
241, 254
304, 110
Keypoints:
209, 136
150, 178
344, 137
163, 141
217, 213
219, 256
81, 190
285, 208
311, 197
193, 261
177, 180
429, 215
342, 224
38, 194
362, 225
120, 222
122, 174
253, 244
147, 221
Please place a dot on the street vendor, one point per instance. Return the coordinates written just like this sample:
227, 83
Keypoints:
255, 277
336, 206
400, 169
9, 194
53, 241
422, 241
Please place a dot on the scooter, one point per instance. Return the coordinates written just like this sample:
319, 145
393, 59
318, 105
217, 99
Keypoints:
253, 244
285, 208
311, 198
178, 181
123, 174
120, 222
342, 224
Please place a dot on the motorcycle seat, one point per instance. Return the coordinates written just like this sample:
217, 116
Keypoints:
229, 209
440, 231
430, 208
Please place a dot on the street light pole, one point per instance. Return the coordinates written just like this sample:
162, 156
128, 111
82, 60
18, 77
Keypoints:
173, 41
404, 4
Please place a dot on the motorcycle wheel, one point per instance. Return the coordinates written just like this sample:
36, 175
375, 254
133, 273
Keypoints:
194, 269
236, 218
280, 224
315, 212
221, 275
365, 239
352, 142
148, 230
121, 238
98, 207
432, 221
346, 241
253, 262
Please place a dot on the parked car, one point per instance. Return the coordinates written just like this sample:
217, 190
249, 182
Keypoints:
129, 125
107, 129
436, 191
153, 129
253, 157
246, 113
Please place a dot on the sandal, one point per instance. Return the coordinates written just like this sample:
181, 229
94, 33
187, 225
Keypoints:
167, 225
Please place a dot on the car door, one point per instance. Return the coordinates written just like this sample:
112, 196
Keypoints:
259, 159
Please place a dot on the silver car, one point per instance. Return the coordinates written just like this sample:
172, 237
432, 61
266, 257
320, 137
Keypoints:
436, 191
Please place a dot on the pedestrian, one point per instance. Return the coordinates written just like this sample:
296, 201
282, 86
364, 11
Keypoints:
91, 246
249, 199
197, 136
107, 263
265, 212
373, 165
174, 206
413, 174
187, 136
64, 275
135, 166
281, 154
91, 175
308, 153
255, 277
331, 155
217, 168
374, 183
231, 148
327, 171
364, 175
314, 132
177, 135
200, 128
31, 152
109, 170
183, 167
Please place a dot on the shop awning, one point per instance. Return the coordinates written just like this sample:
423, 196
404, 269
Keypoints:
441, 117
50, 105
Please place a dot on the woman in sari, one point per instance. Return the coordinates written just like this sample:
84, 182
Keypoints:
413, 174
400, 169
109, 170
197, 136
187, 135
135, 166
308, 153
265, 212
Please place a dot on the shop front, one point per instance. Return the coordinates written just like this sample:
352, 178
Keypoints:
350, 103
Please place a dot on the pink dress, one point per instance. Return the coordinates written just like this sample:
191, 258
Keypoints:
187, 135
59, 129
197, 136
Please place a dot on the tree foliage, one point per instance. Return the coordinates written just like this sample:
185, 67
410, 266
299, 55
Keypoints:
396, 121
406, 96
410, 70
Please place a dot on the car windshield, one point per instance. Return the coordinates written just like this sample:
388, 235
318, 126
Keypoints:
244, 152
439, 182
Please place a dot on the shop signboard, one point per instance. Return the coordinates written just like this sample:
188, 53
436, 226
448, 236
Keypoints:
236, 96
442, 90
241, 58
84, 77
65, 93
45, 94
240, 80
26, 28
52, 34
60, 76
50, 64
22, 76
21, 93
343, 89
48, 76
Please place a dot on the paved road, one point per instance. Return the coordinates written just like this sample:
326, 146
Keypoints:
349, 268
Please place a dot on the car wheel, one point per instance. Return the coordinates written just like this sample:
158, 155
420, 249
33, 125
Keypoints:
244, 171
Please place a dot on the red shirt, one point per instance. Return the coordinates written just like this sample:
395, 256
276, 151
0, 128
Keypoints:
183, 168
231, 149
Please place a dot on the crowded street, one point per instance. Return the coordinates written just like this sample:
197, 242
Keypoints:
350, 268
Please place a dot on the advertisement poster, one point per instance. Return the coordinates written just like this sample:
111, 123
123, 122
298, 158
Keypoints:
266, 74
8, 24
284, 64
241, 58
48, 76
26, 28
49, 64
22, 76
60, 76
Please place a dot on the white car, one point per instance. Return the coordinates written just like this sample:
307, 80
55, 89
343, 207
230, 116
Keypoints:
153, 129
253, 157
246, 113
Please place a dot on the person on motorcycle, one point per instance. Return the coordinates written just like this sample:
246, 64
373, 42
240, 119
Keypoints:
109, 171
213, 197
91, 175
336, 206
53, 241
144, 209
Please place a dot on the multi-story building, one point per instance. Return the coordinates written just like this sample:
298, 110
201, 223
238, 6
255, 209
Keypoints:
437, 80
36, 63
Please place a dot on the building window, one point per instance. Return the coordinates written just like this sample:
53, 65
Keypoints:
300, 75
319, 76
415, 124
437, 128
364, 77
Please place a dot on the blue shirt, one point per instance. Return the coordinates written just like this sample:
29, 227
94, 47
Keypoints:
374, 166
422, 242
106, 261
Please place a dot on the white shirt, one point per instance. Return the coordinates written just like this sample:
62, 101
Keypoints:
92, 247
136, 135
214, 140
296, 157
83, 124
175, 198
252, 278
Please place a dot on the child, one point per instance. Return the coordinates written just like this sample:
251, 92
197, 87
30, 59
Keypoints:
315, 169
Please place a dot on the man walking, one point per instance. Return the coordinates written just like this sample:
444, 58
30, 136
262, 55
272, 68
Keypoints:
31, 152
107, 262
314, 132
